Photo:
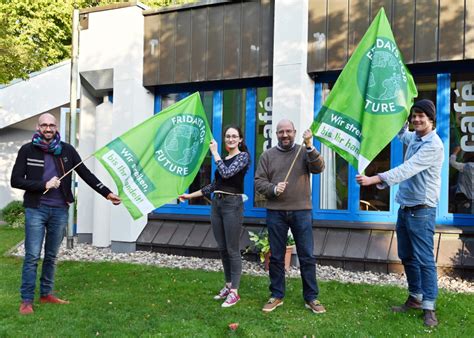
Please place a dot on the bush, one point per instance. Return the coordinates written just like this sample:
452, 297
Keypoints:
14, 214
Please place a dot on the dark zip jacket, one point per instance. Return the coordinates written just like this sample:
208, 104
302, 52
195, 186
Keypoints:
28, 170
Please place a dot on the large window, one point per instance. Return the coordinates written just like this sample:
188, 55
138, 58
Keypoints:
263, 131
461, 147
337, 194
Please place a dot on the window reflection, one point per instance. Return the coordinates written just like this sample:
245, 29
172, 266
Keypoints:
372, 198
461, 171
263, 131
334, 181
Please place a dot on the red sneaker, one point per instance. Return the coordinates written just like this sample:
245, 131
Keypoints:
26, 308
52, 299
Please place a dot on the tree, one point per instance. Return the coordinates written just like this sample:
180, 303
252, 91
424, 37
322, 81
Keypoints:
37, 33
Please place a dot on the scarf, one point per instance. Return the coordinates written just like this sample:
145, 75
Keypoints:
54, 147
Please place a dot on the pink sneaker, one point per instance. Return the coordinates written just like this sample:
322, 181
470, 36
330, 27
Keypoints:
231, 299
223, 293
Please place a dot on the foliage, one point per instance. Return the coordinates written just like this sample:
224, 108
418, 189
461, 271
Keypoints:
261, 243
37, 33
14, 214
131, 300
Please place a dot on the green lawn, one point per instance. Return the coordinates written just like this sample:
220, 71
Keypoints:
115, 299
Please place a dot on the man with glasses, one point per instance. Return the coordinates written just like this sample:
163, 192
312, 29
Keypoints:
289, 207
37, 169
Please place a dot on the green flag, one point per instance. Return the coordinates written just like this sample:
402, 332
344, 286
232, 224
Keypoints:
156, 161
370, 100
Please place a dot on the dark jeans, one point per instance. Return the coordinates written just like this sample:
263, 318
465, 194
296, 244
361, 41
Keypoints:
226, 220
38, 222
415, 231
300, 223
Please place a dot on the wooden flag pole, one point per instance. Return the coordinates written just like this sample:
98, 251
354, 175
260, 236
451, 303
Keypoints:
88, 157
293, 163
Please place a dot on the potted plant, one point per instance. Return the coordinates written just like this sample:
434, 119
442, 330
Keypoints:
261, 244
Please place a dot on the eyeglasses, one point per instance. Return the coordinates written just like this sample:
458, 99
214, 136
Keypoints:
234, 137
50, 126
287, 131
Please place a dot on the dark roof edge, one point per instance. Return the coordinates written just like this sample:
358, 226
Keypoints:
113, 6
203, 3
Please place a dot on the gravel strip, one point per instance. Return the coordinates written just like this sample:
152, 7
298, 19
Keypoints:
89, 253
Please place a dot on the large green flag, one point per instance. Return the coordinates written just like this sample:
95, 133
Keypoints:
156, 161
370, 100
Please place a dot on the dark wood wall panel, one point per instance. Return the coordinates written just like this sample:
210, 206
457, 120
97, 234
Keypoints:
167, 48
232, 40
208, 42
469, 31
266, 38
317, 39
199, 44
375, 6
426, 31
403, 27
358, 22
250, 39
451, 24
151, 52
338, 14
215, 43
183, 47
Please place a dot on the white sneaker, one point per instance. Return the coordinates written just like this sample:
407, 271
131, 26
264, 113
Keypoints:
231, 299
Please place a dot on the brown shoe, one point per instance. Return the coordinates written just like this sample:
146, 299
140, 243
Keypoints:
411, 303
26, 308
272, 304
315, 306
52, 299
429, 318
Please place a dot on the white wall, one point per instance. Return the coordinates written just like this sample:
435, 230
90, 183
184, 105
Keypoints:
11, 140
43, 91
293, 89
114, 39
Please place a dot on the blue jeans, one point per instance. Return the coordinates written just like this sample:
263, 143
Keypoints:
38, 222
415, 231
300, 223
226, 220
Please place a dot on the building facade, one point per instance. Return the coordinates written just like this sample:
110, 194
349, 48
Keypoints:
254, 63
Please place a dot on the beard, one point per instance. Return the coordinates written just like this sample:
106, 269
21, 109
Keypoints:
287, 146
48, 136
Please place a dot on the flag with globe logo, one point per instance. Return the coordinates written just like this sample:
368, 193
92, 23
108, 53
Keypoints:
370, 100
156, 161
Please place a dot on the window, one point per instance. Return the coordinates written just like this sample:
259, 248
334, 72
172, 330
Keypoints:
263, 132
233, 110
461, 147
334, 181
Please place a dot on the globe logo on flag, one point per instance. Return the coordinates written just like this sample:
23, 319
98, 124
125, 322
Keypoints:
177, 146
179, 142
382, 79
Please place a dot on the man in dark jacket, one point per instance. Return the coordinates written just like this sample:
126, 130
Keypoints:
37, 167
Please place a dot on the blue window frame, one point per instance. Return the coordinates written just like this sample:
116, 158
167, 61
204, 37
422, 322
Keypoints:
353, 212
217, 121
443, 103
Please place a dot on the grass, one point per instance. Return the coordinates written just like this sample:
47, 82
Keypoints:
117, 299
